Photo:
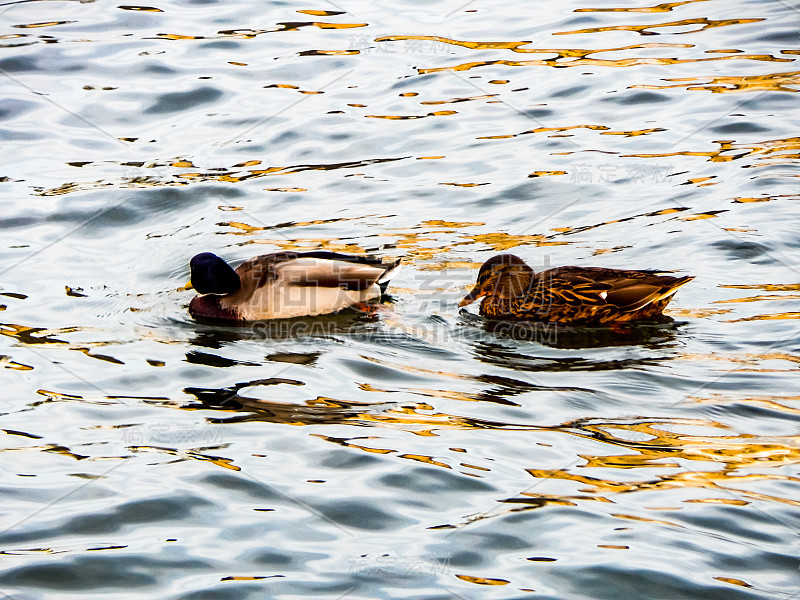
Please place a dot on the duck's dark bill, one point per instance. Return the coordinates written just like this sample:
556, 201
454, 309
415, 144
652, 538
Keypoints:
469, 298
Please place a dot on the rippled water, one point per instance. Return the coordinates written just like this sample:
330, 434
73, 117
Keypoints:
411, 451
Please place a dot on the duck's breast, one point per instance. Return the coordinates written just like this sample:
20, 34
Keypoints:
210, 306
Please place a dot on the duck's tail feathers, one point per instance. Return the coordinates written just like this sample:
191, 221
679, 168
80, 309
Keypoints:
391, 267
676, 285
666, 293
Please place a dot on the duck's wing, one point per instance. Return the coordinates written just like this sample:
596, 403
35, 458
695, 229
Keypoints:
322, 269
627, 289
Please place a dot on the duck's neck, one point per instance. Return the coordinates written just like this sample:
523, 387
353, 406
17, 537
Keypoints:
511, 292
516, 285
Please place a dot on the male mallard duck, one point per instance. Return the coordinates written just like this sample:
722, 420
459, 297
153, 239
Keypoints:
579, 295
285, 284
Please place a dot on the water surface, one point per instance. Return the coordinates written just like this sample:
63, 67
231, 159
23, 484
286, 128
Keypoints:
412, 450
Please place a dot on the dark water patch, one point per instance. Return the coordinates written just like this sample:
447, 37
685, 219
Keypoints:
750, 411
498, 541
431, 481
159, 69
180, 101
410, 343
137, 512
230, 399
537, 113
247, 488
502, 355
102, 218
786, 37
275, 560
286, 137
465, 558
233, 590
91, 573
340, 459
21, 64
744, 250
568, 92
10, 135
622, 582
740, 127
114, 520
766, 527
213, 360
557, 335
296, 358
359, 515
364, 368
15, 108
166, 200
220, 45
636, 98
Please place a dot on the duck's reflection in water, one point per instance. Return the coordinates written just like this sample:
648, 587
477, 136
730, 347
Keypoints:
313, 411
212, 334
412, 417
570, 337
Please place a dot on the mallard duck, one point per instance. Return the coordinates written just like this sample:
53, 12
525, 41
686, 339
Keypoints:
285, 284
579, 295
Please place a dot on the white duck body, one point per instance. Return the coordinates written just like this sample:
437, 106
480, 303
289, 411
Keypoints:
297, 284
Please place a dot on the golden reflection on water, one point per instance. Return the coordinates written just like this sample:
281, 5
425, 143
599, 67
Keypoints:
44, 24
245, 229
773, 402
766, 153
7, 363
517, 46
140, 8
652, 443
253, 33
665, 7
438, 113
546, 173
322, 13
740, 200
482, 580
425, 244
461, 99
581, 57
41, 336
181, 455
419, 243
645, 29
768, 317
759, 298
774, 82
662, 448
646, 443
767, 150
767, 287
746, 361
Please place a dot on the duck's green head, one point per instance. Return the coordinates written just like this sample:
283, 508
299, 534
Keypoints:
212, 275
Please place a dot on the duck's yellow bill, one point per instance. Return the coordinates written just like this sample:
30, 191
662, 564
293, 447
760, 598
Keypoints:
188, 286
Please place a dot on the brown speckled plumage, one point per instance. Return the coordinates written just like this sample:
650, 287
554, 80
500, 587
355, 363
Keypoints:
577, 295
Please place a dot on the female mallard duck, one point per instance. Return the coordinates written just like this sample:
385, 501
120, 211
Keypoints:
578, 295
285, 284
